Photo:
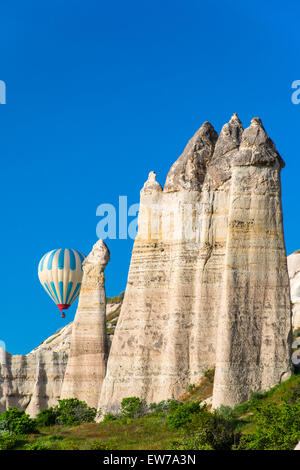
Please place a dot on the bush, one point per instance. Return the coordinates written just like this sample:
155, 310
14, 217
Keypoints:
109, 417
47, 417
277, 428
72, 411
182, 413
164, 406
17, 422
4, 427
37, 446
257, 396
132, 407
209, 431
7, 441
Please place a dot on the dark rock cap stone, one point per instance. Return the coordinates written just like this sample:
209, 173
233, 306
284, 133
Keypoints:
188, 172
257, 148
227, 146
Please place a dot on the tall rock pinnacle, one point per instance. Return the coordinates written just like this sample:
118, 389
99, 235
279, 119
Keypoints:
88, 354
207, 284
254, 332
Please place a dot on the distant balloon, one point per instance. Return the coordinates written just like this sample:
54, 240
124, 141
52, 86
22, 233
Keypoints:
60, 273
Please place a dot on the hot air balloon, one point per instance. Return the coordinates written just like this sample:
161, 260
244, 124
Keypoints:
60, 273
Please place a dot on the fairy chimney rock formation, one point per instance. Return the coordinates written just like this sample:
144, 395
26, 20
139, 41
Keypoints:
254, 331
208, 283
86, 365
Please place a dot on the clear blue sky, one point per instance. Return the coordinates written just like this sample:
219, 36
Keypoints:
100, 93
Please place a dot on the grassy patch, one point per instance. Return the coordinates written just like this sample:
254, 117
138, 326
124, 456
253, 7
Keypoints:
202, 390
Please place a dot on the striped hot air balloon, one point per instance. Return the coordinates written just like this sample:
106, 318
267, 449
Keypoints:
60, 273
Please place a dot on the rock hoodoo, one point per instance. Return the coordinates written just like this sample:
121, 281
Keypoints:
86, 365
208, 283
207, 288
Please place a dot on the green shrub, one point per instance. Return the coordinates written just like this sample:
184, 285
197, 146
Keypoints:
47, 417
182, 413
277, 428
8, 441
38, 445
17, 422
226, 412
4, 426
164, 406
209, 431
72, 411
98, 445
257, 396
209, 375
109, 417
132, 407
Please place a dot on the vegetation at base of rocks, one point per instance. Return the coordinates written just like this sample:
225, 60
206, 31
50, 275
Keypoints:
297, 333
8, 441
164, 406
268, 421
202, 390
276, 428
209, 431
182, 413
70, 411
132, 407
209, 374
14, 421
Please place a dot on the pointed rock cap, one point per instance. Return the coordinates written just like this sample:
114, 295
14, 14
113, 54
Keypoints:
188, 172
227, 146
257, 148
100, 254
230, 137
151, 185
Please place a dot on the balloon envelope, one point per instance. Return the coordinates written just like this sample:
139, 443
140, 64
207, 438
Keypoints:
60, 273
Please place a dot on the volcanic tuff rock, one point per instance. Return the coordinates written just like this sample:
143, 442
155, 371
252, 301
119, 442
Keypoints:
208, 283
33, 382
207, 287
293, 261
89, 349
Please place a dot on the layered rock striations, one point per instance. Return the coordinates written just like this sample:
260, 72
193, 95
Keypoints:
33, 382
207, 284
254, 330
86, 366
207, 288
293, 261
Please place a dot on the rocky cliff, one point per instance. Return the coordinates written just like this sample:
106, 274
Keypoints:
208, 283
207, 288
293, 261
34, 381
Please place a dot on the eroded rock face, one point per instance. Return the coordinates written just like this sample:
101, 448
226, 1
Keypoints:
293, 261
207, 283
86, 366
33, 382
254, 331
